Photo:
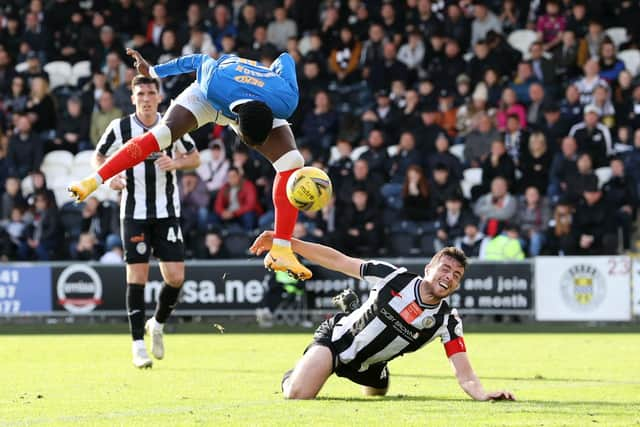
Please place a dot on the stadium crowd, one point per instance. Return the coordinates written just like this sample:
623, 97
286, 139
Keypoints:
509, 128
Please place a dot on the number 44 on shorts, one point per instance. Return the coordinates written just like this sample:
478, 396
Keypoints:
171, 235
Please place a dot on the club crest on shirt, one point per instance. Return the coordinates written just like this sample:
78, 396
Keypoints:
428, 322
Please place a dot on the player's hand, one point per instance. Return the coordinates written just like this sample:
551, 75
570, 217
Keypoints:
165, 163
139, 62
500, 395
118, 183
262, 243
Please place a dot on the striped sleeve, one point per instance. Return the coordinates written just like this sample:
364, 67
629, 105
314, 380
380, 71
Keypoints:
111, 139
185, 144
376, 272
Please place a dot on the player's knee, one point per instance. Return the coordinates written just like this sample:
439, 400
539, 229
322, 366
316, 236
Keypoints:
290, 160
175, 280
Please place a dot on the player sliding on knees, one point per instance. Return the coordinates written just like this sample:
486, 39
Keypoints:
251, 98
403, 313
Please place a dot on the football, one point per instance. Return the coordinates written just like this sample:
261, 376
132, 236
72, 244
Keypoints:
309, 189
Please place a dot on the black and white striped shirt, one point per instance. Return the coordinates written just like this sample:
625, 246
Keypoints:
150, 193
392, 321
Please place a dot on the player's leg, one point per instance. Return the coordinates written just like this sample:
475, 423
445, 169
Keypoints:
280, 149
136, 255
310, 374
374, 381
168, 247
189, 111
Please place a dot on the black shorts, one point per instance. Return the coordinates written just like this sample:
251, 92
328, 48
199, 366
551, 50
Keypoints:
162, 236
376, 376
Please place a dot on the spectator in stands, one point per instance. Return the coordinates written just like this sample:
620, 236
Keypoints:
15, 102
481, 61
532, 218
428, 129
610, 65
602, 101
39, 185
621, 193
543, 69
535, 164
405, 156
494, 86
100, 220
86, 248
73, 129
129, 18
199, 42
11, 198
570, 106
100, 119
553, 126
456, 26
389, 69
377, 156
140, 43
452, 221
497, 163
591, 79
444, 183
515, 138
473, 240
281, 28
448, 117
523, 79
213, 171
311, 82
477, 144
320, 126
10, 34
115, 70
484, 21
632, 160
507, 57
7, 71
565, 57
359, 227
213, 247
194, 200
158, 22
443, 156
246, 25
36, 35
122, 93
590, 47
341, 167
108, 43
462, 93
222, 25
496, 207
417, 203
114, 254
625, 98
504, 246
593, 137
581, 179
362, 178
169, 47
25, 149
12, 232
559, 238
34, 67
412, 54
593, 223
509, 105
383, 116
236, 203
41, 108
577, 21
470, 113
43, 235
509, 16
536, 101
551, 25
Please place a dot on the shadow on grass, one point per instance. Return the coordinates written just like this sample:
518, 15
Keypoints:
537, 378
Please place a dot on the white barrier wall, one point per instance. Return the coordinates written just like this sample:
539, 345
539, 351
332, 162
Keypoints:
636, 287
583, 288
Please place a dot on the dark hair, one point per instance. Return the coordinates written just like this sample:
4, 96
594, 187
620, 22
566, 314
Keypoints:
423, 184
255, 120
139, 79
452, 252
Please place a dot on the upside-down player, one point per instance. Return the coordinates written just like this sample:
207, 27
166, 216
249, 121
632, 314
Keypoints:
254, 100
403, 313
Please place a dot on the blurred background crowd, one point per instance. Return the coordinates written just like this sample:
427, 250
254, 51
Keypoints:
510, 128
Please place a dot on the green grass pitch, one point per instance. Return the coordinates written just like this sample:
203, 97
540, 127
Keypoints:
568, 379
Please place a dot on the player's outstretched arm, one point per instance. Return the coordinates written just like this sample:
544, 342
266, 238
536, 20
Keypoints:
320, 254
470, 383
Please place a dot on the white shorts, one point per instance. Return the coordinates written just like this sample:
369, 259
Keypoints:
195, 101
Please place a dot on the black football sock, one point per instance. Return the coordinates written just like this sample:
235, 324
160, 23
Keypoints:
135, 310
167, 301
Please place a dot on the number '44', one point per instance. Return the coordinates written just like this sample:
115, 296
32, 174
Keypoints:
171, 235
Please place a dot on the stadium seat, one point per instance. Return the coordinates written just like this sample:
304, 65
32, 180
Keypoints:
392, 150
618, 35
604, 175
334, 154
521, 40
53, 172
466, 189
427, 244
237, 243
58, 157
26, 186
631, 59
83, 158
59, 73
62, 196
401, 243
79, 71
458, 151
22, 67
473, 176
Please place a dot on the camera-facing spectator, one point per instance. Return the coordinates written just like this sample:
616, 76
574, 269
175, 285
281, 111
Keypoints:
25, 149
73, 129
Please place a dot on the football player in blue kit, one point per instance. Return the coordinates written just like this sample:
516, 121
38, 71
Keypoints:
254, 100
